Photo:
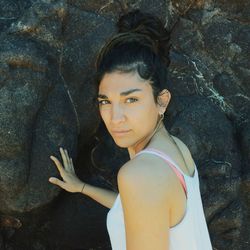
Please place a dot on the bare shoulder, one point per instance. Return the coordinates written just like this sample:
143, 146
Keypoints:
145, 200
146, 175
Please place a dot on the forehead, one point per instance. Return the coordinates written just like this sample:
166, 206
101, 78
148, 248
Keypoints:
118, 82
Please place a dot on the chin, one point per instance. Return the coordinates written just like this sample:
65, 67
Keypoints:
123, 143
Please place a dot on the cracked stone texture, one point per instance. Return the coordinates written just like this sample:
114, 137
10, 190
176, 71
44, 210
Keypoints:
47, 54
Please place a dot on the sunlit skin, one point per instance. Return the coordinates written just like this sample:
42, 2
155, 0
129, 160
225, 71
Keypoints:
126, 102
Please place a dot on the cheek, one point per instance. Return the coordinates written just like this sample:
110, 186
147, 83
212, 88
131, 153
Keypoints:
148, 119
145, 118
104, 113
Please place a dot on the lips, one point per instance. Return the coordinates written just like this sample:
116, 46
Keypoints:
120, 132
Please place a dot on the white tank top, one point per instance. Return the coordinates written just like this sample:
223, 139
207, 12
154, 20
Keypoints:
190, 234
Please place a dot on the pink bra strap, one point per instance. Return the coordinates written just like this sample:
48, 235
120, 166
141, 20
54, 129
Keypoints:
162, 155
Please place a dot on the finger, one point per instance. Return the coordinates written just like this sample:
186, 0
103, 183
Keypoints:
65, 163
72, 165
67, 156
67, 159
58, 164
57, 182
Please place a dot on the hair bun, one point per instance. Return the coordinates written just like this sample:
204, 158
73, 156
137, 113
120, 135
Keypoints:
149, 25
130, 21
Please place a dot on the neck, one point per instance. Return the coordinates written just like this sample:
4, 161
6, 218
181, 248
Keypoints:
141, 144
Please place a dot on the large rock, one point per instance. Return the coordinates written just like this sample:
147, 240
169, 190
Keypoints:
47, 55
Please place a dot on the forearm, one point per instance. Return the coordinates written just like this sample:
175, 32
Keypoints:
103, 196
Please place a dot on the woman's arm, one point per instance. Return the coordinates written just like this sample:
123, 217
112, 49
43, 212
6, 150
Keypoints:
103, 196
145, 197
73, 184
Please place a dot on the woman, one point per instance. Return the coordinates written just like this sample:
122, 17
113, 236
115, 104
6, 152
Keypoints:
159, 204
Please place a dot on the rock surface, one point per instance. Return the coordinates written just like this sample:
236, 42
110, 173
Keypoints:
47, 54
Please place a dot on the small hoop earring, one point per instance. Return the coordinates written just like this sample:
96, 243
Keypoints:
162, 116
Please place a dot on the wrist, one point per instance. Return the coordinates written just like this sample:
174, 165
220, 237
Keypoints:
83, 186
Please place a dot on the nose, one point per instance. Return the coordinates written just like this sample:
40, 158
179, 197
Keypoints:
117, 115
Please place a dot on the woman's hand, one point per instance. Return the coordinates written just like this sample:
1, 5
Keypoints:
71, 182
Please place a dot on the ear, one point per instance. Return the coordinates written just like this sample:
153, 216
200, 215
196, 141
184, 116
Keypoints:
163, 100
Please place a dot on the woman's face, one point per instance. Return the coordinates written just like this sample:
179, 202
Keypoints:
127, 107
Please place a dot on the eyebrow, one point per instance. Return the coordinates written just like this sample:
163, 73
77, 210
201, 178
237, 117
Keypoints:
125, 93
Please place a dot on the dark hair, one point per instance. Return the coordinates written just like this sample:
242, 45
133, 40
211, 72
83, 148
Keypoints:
141, 45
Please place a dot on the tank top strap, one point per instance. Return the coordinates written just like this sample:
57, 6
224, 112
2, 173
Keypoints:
167, 157
171, 163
